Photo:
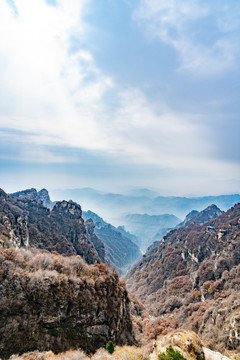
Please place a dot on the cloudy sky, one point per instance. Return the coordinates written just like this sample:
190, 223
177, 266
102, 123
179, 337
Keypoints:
113, 94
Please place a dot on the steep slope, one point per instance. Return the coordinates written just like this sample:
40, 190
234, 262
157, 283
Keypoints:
97, 242
51, 302
26, 222
193, 278
196, 217
121, 252
149, 228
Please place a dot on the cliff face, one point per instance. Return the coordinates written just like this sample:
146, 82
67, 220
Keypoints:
192, 277
97, 242
25, 222
59, 303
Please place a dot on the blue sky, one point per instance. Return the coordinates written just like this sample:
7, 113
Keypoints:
113, 94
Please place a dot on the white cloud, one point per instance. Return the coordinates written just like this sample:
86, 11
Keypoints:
56, 95
47, 92
202, 32
44, 86
168, 140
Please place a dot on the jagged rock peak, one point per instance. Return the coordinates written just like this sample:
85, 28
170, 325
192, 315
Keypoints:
213, 207
211, 212
33, 194
30, 194
69, 208
196, 217
44, 193
44, 196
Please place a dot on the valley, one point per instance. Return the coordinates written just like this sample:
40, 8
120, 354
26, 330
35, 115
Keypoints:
61, 286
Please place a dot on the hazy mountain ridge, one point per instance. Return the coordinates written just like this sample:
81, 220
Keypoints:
118, 209
121, 251
192, 277
141, 202
150, 227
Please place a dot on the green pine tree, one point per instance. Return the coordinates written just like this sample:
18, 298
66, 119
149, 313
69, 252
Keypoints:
171, 354
110, 347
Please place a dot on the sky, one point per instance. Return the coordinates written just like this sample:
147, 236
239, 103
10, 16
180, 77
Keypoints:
116, 94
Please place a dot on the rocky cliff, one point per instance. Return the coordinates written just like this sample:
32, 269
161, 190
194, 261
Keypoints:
192, 280
26, 222
53, 302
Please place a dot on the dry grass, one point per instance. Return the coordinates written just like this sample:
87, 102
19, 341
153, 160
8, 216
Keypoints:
120, 353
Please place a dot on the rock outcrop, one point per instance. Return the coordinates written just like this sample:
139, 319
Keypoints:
51, 302
213, 355
186, 342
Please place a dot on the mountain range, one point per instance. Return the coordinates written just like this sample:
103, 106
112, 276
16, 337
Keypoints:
58, 293
140, 201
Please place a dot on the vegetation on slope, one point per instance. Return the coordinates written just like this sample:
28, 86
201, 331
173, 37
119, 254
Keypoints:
51, 302
192, 280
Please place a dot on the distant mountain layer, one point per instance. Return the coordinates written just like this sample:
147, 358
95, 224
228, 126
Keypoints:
26, 222
121, 251
148, 228
193, 279
115, 206
183, 205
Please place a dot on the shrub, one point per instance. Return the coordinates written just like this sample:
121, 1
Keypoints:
110, 347
171, 354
